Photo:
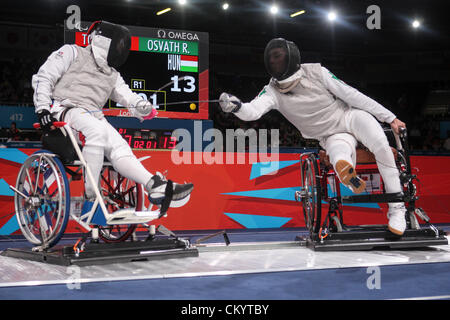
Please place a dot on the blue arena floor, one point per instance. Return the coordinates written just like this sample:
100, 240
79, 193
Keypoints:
400, 274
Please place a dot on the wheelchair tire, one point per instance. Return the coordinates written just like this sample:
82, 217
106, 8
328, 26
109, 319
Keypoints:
312, 195
119, 192
43, 215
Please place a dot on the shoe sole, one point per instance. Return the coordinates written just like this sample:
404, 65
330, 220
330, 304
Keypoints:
175, 197
395, 231
347, 175
183, 194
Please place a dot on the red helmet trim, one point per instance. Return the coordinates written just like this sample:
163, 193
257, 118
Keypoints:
95, 23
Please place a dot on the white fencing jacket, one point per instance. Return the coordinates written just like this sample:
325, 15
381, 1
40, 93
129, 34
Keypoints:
316, 106
71, 77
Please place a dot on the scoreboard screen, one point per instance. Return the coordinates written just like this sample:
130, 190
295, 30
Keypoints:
167, 67
147, 139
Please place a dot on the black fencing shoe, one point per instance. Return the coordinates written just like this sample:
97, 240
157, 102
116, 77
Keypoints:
160, 189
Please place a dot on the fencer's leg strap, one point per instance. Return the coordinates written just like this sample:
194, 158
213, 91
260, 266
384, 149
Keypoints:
168, 195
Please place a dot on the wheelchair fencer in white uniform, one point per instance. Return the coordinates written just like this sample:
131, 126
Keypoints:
324, 108
72, 86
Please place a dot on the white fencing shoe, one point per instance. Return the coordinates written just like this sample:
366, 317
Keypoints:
397, 220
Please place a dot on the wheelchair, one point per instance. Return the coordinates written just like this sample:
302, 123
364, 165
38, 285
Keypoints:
321, 187
43, 199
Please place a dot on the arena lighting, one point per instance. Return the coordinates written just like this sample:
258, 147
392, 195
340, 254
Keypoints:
225, 6
297, 13
182, 2
415, 24
332, 16
274, 9
163, 11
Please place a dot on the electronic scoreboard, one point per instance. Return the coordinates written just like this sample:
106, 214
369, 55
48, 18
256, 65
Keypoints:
167, 67
148, 138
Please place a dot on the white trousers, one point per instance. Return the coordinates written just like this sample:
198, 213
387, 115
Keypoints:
362, 126
101, 140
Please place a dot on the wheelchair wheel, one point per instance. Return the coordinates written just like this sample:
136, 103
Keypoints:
119, 192
42, 202
312, 195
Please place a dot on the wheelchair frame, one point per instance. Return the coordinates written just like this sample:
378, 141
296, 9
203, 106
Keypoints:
35, 204
331, 233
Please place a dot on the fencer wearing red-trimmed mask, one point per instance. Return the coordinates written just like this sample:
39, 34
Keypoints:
74, 84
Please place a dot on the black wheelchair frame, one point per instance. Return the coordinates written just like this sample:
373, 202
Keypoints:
330, 233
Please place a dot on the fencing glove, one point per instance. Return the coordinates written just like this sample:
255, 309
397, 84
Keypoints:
45, 120
144, 110
229, 103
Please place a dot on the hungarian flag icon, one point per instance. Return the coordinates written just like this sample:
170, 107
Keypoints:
189, 63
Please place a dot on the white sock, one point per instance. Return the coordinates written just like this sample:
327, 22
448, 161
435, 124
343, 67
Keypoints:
94, 159
131, 168
340, 150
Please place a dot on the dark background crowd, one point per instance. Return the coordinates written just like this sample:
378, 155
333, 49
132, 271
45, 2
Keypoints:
407, 71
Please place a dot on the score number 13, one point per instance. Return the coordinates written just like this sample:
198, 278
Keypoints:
189, 88
190, 84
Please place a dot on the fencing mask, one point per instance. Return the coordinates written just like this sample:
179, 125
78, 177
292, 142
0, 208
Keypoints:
281, 58
110, 43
